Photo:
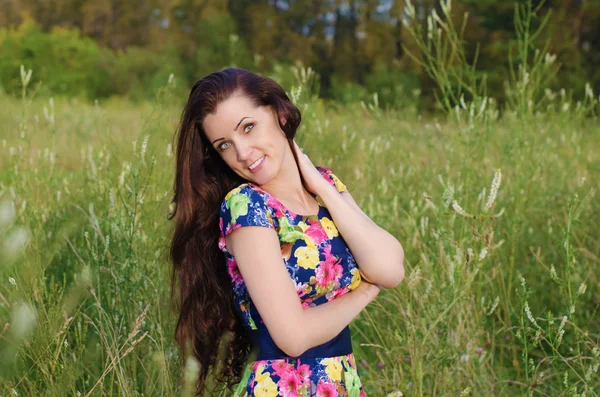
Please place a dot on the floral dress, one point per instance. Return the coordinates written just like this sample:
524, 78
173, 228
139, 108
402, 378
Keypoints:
322, 268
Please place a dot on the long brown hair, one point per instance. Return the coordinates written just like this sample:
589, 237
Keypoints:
205, 299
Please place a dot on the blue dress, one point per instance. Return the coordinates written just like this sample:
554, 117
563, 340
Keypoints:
322, 268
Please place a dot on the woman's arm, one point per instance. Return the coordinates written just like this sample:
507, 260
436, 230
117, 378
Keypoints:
379, 255
294, 329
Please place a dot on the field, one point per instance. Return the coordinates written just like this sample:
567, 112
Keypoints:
498, 216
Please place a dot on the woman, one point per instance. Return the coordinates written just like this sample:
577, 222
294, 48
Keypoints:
246, 197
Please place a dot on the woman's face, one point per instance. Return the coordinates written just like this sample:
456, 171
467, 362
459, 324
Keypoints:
245, 136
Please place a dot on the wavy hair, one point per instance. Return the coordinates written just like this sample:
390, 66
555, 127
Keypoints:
208, 327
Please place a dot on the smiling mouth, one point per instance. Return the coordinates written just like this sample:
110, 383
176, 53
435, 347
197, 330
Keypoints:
256, 163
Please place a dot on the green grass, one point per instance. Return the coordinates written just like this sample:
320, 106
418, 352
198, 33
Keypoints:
84, 308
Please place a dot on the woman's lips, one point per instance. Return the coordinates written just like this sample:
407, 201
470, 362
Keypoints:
259, 166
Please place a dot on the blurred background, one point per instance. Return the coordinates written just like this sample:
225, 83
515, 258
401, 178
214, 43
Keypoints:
101, 48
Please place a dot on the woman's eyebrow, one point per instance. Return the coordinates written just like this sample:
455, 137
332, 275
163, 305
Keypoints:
236, 127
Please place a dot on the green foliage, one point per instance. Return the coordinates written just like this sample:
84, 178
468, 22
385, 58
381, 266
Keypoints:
69, 64
65, 62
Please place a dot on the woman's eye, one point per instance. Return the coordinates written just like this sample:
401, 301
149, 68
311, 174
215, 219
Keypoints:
221, 146
248, 125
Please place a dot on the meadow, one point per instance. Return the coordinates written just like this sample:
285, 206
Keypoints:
498, 217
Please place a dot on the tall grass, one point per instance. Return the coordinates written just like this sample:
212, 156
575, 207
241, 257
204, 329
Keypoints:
496, 207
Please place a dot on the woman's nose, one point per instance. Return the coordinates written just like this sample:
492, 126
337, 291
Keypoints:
243, 153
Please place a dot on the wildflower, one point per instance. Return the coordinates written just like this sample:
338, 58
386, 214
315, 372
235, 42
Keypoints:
410, 9
530, 315
561, 330
549, 58
144, 147
363, 363
380, 365
459, 210
494, 305
553, 274
12, 281
25, 78
582, 288
395, 393
479, 351
464, 358
493, 190
588, 91
169, 150
446, 6
482, 253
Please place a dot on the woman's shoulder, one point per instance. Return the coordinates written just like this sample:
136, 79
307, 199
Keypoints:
247, 192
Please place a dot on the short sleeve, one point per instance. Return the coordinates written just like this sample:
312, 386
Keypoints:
243, 206
332, 179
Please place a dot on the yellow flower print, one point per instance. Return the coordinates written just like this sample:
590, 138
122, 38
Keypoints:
340, 186
260, 374
308, 257
303, 226
265, 387
329, 227
232, 192
356, 279
333, 368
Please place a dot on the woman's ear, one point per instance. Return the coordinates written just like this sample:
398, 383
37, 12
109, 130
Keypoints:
282, 119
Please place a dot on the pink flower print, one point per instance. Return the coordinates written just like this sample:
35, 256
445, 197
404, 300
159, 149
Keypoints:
335, 293
306, 303
305, 372
289, 383
281, 367
362, 394
274, 203
325, 389
234, 271
316, 233
229, 229
328, 273
329, 257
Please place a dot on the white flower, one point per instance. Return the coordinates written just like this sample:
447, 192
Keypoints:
493, 190
459, 210
549, 58
482, 253
588, 91
144, 147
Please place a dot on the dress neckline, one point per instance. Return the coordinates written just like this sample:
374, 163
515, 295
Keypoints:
295, 215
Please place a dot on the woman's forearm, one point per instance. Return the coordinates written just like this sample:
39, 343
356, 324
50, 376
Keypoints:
322, 323
379, 255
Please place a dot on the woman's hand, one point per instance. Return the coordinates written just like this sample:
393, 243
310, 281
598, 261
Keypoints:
313, 178
369, 289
